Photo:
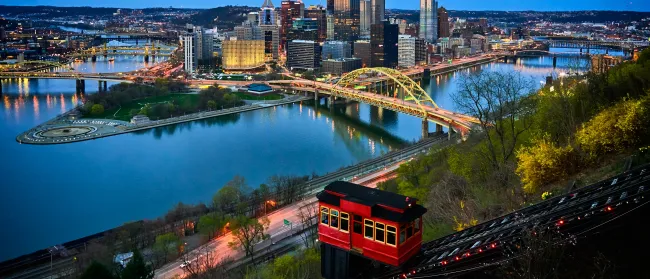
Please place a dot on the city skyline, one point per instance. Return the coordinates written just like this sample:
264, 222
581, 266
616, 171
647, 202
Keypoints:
477, 5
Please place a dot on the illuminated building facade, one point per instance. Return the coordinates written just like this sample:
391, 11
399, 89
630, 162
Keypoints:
243, 54
429, 20
289, 11
346, 20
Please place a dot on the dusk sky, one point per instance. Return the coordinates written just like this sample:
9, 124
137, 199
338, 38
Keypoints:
545, 5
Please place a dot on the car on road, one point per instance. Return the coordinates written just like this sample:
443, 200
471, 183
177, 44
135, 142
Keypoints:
184, 264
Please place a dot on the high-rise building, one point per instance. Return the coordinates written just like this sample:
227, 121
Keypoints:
429, 20
383, 44
243, 54
248, 31
269, 30
443, 23
402, 26
378, 10
268, 15
330, 7
254, 18
365, 12
341, 66
290, 10
303, 29
406, 51
346, 20
336, 50
188, 50
362, 51
271, 37
320, 15
483, 23
420, 51
303, 55
330, 27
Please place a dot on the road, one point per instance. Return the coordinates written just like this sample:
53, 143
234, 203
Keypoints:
277, 230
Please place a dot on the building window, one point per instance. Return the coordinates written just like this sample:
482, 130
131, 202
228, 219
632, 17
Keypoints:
416, 226
402, 235
334, 218
324, 216
357, 228
379, 232
345, 222
369, 226
409, 231
391, 235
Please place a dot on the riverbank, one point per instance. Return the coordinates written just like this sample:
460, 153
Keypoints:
65, 128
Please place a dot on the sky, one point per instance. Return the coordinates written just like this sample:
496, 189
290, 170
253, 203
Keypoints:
502, 5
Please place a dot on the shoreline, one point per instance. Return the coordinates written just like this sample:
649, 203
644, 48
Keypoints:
90, 129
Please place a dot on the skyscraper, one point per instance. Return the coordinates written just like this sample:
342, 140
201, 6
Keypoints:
188, 50
267, 14
443, 23
365, 11
383, 44
318, 13
429, 20
290, 9
406, 51
378, 10
346, 20
270, 30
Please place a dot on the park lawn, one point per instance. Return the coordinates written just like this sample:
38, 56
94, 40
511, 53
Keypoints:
269, 97
124, 112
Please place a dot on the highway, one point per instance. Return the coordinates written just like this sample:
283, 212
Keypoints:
277, 230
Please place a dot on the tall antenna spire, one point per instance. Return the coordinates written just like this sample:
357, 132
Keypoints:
267, 4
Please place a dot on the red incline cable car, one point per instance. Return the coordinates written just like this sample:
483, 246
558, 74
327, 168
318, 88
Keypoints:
375, 224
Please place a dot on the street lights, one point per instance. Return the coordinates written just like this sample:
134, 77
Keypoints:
271, 202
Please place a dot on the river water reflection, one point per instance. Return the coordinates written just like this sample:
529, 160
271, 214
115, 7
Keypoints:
56, 193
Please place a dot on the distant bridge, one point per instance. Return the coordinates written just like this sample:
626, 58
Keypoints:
589, 44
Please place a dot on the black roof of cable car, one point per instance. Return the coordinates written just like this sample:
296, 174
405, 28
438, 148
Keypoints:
372, 197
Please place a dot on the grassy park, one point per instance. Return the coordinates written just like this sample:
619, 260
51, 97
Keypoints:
124, 112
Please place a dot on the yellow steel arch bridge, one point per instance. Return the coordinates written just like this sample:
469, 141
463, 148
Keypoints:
407, 97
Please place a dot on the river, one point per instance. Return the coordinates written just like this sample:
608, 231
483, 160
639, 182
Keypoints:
51, 194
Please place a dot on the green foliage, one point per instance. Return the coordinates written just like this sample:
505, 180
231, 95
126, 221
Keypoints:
221, 97
544, 162
97, 271
166, 244
97, 109
616, 128
212, 104
137, 268
212, 223
306, 264
230, 195
247, 232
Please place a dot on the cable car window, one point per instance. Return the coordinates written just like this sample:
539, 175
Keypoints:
416, 225
334, 218
409, 231
345, 219
379, 232
324, 215
356, 227
369, 227
391, 235
402, 235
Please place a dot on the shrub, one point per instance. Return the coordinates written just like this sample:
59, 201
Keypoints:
544, 162
616, 128
97, 109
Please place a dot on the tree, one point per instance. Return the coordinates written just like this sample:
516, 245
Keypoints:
211, 223
308, 215
137, 268
212, 104
248, 232
97, 109
166, 243
230, 195
499, 100
97, 271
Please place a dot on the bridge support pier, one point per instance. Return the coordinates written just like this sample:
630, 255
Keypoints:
94, 58
554, 61
0, 87
102, 86
449, 131
81, 86
146, 58
438, 128
606, 51
425, 128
